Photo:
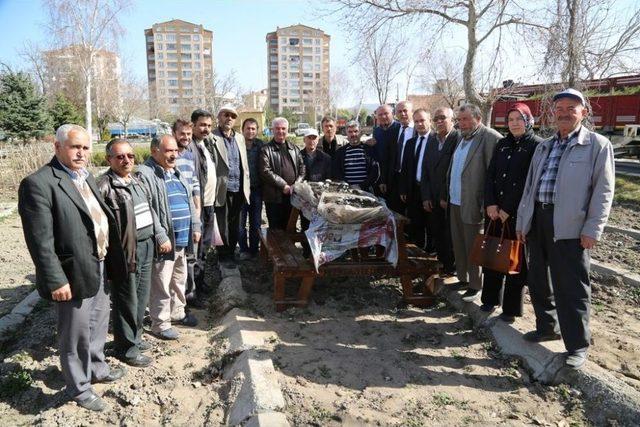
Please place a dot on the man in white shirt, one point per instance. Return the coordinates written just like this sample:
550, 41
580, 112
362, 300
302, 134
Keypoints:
395, 155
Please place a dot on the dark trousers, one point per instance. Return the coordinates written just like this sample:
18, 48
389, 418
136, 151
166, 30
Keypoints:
513, 284
441, 232
278, 213
82, 331
196, 264
393, 195
417, 227
130, 300
228, 217
253, 212
558, 282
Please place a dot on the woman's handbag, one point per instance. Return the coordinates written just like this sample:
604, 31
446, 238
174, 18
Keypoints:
497, 253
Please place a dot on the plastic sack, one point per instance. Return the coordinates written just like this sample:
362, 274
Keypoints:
341, 208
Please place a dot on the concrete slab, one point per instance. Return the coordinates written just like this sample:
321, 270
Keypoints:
230, 294
628, 277
617, 400
26, 306
259, 388
628, 231
268, 419
245, 332
228, 272
18, 315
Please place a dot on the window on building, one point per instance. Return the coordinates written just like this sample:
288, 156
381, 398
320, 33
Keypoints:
160, 64
159, 46
186, 65
171, 55
185, 38
159, 55
307, 66
172, 65
318, 50
160, 73
294, 41
170, 37
307, 41
185, 56
185, 47
187, 74
196, 47
273, 58
197, 65
187, 83
150, 39
317, 75
307, 50
316, 67
307, 75
196, 37
172, 74
294, 58
158, 37
187, 92
171, 46
273, 67
317, 41
317, 58
307, 58
172, 82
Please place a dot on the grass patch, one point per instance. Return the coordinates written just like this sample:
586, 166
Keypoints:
99, 156
15, 382
627, 189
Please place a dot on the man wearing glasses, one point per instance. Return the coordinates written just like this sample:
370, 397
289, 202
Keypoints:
129, 201
440, 147
229, 153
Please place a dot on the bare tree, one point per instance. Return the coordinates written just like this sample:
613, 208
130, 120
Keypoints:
86, 26
338, 91
443, 76
479, 19
32, 53
379, 61
133, 102
222, 89
588, 40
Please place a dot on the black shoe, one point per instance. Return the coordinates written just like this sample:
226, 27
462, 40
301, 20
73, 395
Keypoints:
471, 295
535, 336
187, 320
139, 361
506, 318
487, 308
115, 374
93, 402
144, 346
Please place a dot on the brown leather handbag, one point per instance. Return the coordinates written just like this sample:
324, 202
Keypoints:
497, 253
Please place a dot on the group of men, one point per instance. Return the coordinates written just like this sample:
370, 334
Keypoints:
149, 231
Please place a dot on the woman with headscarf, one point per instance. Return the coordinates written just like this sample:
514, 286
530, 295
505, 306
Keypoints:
504, 185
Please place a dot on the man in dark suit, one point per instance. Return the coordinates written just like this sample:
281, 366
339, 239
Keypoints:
411, 178
392, 172
68, 229
440, 147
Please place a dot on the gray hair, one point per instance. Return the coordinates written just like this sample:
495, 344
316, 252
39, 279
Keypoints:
279, 120
383, 107
62, 133
446, 110
114, 142
471, 108
157, 140
353, 124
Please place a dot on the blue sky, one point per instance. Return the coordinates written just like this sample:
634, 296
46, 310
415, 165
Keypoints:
239, 28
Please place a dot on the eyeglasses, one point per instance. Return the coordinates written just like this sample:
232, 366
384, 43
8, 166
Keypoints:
121, 157
438, 118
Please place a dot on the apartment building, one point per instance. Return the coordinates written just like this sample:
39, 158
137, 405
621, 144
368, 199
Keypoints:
298, 69
179, 66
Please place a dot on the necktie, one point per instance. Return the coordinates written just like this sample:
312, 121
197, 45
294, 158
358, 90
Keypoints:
400, 147
419, 146
98, 217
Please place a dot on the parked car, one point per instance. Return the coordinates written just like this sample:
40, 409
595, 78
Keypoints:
302, 129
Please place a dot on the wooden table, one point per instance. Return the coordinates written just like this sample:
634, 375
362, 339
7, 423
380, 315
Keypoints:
278, 247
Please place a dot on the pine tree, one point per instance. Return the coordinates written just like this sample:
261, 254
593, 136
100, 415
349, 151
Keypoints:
22, 110
63, 112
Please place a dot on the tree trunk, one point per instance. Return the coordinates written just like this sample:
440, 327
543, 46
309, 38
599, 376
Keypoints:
87, 105
470, 92
572, 60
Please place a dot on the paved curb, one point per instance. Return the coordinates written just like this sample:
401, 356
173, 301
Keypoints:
628, 277
10, 322
628, 231
615, 399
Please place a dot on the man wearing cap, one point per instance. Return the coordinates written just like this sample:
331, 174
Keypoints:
317, 165
562, 214
229, 153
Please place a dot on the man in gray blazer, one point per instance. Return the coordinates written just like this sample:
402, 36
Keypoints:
564, 208
68, 230
229, 153
465, 191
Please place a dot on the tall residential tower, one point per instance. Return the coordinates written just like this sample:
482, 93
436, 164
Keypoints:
298, 69
179, 66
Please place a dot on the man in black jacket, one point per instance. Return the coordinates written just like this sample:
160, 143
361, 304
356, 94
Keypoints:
281, 165
68, 230
129, 201
354, 162
411, 178
440, 147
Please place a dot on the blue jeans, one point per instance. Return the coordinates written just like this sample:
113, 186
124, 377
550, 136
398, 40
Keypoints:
253, 210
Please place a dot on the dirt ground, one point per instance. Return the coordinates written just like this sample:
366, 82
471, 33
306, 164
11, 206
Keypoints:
16, 269
625, 215
618, 249
357, 355
177, 389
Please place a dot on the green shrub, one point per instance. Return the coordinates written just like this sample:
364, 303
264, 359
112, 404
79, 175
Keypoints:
99, 157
